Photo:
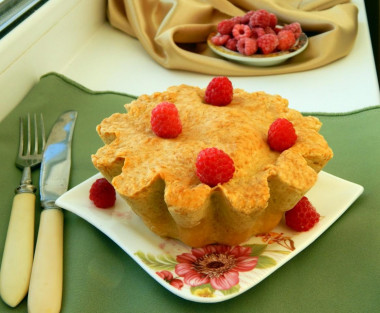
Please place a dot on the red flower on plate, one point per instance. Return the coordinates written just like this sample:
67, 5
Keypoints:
217, 265
168, 277
177, 283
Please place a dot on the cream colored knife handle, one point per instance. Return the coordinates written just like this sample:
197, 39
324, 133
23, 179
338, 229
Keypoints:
45, 289
16, 264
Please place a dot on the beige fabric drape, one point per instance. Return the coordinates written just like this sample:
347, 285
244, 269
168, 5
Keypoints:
174, 32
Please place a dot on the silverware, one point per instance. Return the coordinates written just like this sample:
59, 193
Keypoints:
17, 259
45, 289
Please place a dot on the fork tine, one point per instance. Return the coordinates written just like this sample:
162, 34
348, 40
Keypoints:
28, 135
35, 134
32, 141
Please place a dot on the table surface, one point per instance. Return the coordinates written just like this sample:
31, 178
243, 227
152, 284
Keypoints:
338, 272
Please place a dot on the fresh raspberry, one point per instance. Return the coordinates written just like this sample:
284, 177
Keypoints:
247, 46
165, 120
267, 43
286, 40
272, 20
269, 30
246, 17
303, 216
238, 20
225, 27
214, 166
241, 31
219, 40
258, 32
260, 18
295, 28
219, 91
281, 135
231, 44
102, 194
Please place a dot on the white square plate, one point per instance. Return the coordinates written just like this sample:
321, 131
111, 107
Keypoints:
185, 271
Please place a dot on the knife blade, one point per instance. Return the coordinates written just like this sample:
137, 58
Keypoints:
45, 288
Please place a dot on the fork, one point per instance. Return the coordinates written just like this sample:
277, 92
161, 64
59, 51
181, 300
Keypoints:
17, 259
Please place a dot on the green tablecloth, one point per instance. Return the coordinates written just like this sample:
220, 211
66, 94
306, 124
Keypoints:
339, 272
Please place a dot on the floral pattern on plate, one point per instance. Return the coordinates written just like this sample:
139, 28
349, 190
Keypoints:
216, 269
212, 273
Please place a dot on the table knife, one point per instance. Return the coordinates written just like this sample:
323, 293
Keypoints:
45, 288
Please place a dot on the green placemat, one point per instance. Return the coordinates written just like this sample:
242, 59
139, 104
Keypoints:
339, 272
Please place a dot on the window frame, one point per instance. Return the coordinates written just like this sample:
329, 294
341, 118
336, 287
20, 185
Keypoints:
13, 12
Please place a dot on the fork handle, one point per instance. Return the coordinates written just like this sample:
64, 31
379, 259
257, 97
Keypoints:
45, 289
17, 259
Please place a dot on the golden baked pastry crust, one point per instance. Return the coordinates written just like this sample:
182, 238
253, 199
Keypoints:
157, 176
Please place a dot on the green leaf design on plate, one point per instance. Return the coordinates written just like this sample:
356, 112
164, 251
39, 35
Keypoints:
203, 291
159, 262
265, 262
257, 249
230, 291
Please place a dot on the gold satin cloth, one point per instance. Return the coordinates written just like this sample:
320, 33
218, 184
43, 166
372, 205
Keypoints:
174, 32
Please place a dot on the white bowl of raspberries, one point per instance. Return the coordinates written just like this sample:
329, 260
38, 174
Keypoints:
256, 39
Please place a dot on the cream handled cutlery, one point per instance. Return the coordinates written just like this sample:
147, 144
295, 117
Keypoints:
17, 258
45, 289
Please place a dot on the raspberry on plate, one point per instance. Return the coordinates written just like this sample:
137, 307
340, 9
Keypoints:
165, 121
286, 40
303, 216
102, 194
219, 40
258, 32
295, 28
225, 27
281, 135
247, 46
272, 20
269, 30
241, 31
219, 91
231, 44
246, 17
260, 24
261, 18
214, 166
267, 43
